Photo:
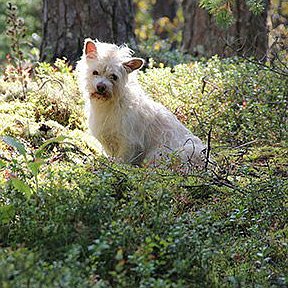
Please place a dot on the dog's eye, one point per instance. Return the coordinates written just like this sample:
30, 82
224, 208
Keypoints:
95, 72
114, 77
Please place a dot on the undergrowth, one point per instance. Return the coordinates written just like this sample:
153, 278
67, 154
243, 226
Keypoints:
71, 218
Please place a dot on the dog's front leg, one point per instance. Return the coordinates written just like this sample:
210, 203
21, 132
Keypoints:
133, 154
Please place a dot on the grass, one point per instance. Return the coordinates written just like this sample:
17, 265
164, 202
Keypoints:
71, 218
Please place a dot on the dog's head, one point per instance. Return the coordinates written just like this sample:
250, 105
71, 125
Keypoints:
106, 68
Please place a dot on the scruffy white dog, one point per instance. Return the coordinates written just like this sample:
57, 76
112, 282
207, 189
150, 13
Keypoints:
130, 125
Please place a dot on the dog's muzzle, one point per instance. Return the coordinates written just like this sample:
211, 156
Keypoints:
104, 96
101, 92
101, 88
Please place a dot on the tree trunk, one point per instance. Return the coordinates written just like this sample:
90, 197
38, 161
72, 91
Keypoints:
247, 36
165, 8
66, 23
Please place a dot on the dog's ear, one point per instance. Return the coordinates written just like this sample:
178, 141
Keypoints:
90, 49
133, 64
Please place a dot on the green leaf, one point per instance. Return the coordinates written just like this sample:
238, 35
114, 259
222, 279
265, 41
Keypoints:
2, 164
15, 144
7, 212
22, 187
41, 149
35, 166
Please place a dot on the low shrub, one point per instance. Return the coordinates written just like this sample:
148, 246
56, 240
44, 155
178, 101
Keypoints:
72, 218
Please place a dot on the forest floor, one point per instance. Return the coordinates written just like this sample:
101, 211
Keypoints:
71, 218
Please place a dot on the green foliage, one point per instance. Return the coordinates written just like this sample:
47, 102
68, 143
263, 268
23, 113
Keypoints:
222, 10
15, 32
23, 171
159, 54
28, 10
160, 38
256, 6
55, 97
70, 218
231, 95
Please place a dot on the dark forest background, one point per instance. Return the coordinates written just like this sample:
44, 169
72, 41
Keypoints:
55, 29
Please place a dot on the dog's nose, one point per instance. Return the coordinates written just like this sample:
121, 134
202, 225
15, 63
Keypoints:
101, 87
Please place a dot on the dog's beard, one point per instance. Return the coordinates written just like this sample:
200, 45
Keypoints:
100, 96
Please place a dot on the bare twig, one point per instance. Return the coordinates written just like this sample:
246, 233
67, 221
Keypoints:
277, 70
208, 148
210, 83
52, 80
197, 118
245, 144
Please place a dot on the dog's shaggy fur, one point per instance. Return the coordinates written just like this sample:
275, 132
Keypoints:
130, 125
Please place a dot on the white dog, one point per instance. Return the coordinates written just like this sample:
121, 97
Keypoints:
130, 125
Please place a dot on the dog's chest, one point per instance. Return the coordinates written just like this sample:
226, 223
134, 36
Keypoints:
111, 143
106, 127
